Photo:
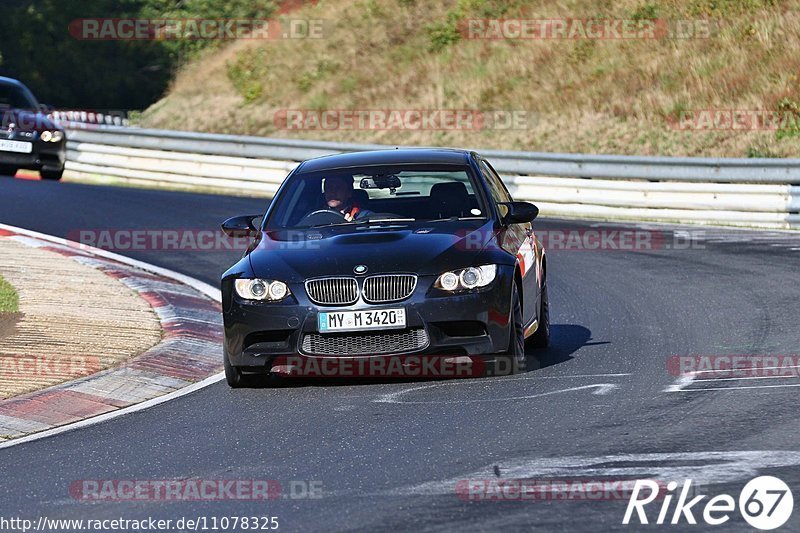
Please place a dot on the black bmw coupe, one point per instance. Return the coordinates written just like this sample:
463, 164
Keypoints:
28, 137
386, 254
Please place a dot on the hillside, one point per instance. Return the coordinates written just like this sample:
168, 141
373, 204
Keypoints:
637, 95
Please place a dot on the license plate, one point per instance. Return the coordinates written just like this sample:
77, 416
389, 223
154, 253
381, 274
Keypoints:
362, 320
20, 147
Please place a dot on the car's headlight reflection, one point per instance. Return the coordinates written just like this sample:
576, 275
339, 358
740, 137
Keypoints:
52, 136
261, 289
467, 278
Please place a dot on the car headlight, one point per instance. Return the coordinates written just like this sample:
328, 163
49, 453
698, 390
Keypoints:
52, 136
466, 279
261, 289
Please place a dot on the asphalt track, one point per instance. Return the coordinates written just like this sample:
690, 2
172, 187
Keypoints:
600, 403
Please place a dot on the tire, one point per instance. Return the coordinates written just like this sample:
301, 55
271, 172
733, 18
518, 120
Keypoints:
513, 359
541, 338
8, 170
233, 375
51, 175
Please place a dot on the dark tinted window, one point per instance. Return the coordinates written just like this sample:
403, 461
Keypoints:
496, 188
425, 193
16, 97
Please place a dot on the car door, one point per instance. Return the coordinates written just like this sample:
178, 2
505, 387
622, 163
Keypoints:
517, 239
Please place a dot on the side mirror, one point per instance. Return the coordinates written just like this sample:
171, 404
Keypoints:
520, 212
241, 226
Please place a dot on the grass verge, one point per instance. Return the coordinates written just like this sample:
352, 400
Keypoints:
9, 301
612, 95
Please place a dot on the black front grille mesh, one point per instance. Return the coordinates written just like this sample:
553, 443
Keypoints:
344, 344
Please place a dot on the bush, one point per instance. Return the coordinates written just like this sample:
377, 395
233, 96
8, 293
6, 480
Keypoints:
246, 73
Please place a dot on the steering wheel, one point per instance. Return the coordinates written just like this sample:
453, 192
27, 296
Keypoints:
322, 217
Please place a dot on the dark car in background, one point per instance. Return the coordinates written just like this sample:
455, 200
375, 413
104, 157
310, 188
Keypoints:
382, 254
29, 139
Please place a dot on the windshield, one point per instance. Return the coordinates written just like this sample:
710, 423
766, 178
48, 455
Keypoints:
377, 194
16, 97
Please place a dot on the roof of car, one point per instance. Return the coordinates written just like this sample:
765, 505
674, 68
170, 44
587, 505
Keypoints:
11, 81
404, 156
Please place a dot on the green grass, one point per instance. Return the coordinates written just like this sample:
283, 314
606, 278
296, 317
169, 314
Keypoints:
9, 301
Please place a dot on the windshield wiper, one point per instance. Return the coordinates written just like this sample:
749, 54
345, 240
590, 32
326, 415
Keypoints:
336, 224
455, 219
450, 219
364, 222
379, 220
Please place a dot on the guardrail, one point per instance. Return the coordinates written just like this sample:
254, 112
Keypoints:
746, 192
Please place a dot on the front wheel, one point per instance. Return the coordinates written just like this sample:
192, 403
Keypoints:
51, 175
541, 338
514, 358
233, 375
8, 170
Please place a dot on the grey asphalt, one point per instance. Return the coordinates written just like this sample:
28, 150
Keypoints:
388, 455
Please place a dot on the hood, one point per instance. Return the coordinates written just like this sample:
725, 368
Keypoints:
426, 249
25, 120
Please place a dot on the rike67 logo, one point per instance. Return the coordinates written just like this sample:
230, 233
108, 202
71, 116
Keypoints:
765, 503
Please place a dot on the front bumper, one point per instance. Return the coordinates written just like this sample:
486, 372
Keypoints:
471, 324
48, 156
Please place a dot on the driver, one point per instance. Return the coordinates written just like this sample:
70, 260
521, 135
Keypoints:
339, 197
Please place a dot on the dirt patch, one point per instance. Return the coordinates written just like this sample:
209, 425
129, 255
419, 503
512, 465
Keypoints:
8, 323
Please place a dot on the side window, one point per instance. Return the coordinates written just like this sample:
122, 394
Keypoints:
498, 182
297, 201
496, 187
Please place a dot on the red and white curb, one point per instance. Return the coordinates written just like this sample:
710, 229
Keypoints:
187, 359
